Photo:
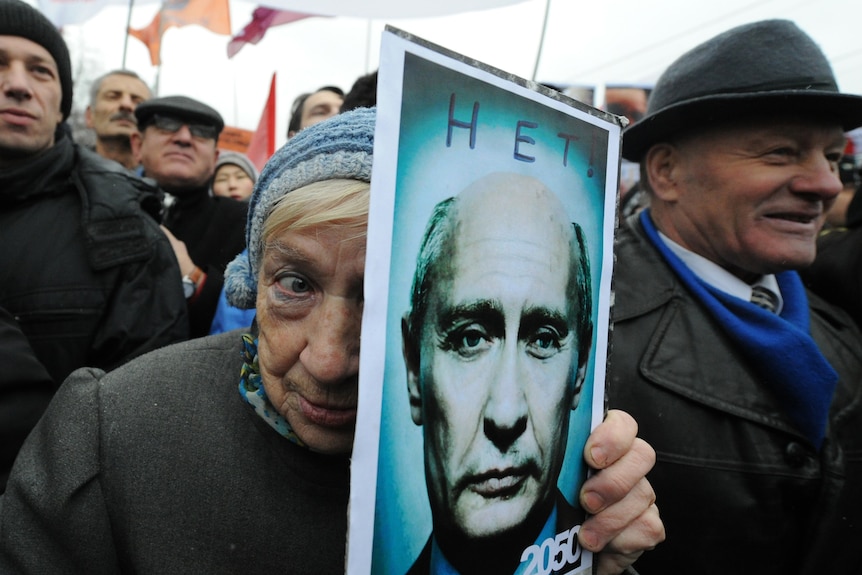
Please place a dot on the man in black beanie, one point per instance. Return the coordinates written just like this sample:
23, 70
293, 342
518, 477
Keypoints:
86, 276
748, 387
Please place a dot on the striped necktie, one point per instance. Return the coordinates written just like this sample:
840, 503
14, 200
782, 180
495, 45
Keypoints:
764, 297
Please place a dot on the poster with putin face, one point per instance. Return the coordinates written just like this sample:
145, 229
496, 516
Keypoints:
485, 328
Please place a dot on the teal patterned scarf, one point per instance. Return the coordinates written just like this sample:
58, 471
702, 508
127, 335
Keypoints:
251, 390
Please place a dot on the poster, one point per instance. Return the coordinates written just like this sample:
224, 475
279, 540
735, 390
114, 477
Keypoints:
485, 327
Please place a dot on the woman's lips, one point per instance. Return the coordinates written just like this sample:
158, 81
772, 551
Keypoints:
327, 416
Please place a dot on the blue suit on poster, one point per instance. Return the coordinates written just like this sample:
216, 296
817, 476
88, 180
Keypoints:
538, 557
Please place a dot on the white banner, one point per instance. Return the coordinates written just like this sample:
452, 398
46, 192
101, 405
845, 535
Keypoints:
65, 12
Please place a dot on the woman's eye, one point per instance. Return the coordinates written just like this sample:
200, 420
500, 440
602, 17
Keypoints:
294, 284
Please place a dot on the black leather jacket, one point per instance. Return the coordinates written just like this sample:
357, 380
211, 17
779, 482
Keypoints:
836, 274
739, 489
89, 276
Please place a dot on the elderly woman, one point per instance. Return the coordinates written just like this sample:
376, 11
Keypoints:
230, 454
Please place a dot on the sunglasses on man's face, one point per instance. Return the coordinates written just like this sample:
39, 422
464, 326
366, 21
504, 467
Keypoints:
173, 125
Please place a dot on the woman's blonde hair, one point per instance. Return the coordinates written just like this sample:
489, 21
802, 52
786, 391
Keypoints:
330, 202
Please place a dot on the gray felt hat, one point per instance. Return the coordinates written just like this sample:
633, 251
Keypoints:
179, 107
767, 67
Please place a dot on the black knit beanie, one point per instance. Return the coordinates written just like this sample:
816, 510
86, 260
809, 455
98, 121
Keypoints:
20, 19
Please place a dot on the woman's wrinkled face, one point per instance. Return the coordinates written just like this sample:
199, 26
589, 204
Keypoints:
309, 311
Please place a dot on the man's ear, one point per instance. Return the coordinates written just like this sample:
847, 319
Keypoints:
88, 117
411, 361
661, 164
136, 140
579, 385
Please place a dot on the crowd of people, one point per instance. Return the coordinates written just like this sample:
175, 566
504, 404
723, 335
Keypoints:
180, 333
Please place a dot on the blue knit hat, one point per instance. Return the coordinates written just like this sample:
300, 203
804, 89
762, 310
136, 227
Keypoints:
338, 148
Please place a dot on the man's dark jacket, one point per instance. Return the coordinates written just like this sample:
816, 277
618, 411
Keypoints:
740, 490
836, 274
24, 378
213, 229
88, 277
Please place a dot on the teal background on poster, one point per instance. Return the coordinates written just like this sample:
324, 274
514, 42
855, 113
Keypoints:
428, 172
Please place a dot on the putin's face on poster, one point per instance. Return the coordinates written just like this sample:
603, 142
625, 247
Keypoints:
496, 346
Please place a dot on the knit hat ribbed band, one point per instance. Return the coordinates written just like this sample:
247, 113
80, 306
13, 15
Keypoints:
338, 148
20, 19
237, 159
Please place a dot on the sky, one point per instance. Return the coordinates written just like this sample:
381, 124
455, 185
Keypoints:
585, 43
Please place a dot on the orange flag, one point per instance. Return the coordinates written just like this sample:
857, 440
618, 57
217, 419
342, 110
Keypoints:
211, 14
262, 144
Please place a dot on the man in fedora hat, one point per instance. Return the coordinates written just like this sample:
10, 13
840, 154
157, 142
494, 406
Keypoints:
747, 386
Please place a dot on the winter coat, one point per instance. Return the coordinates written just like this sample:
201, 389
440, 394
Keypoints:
89, 276
166, 469
213, 229
85, 275
739, 489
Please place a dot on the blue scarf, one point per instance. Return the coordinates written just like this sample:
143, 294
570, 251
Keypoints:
252, 391
779, 347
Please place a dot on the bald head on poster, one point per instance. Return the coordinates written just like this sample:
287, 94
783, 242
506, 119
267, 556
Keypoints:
496, 345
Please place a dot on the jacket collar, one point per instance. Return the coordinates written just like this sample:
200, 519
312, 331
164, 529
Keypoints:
40, 175
686, 352
651, 284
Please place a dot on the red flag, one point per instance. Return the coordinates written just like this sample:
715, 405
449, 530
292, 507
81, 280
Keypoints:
262, 144
211, 14
261, 20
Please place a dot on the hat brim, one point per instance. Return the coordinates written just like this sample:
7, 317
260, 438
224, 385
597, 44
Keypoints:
690, 114
146, 115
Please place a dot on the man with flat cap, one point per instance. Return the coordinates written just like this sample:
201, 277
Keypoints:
747, 386
176, 145
85, 275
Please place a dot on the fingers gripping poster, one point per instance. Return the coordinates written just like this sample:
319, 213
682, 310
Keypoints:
485, 328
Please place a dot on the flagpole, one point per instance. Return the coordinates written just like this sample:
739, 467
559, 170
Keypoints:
542, 39
128, 25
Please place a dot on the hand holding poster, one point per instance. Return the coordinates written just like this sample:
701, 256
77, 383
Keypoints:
489, 262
